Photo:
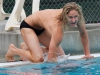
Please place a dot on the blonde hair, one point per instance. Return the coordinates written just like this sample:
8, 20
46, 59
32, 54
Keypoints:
66, 9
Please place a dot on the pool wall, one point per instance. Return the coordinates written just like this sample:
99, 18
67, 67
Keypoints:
71, 41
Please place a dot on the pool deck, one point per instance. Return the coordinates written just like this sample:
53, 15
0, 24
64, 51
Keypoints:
20, 63
3, 59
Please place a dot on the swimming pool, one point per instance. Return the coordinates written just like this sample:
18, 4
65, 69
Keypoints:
68, 67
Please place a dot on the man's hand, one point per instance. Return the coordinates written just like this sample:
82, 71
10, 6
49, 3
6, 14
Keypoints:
87, 57
52, 57
52, 60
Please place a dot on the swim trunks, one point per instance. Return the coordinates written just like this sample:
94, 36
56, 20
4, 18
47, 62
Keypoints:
26, 25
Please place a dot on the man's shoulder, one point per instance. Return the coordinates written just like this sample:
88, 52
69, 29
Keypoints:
43, 13
47, 10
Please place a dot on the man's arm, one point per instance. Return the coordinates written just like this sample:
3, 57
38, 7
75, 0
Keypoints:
85, 41
56, 38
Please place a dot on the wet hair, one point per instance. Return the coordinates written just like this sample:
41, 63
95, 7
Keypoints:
66, 9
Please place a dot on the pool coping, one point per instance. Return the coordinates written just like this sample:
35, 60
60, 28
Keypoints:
20, 63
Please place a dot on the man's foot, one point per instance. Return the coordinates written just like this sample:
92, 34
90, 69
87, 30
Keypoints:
9, 55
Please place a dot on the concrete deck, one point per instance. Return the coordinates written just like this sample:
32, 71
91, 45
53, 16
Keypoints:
3, 60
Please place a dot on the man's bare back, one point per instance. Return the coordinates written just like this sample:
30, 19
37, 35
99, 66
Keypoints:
46, 19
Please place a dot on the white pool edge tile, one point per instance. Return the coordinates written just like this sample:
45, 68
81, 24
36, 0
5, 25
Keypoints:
79, 56
9, 64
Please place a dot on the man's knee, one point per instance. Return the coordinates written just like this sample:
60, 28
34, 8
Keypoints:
38, 58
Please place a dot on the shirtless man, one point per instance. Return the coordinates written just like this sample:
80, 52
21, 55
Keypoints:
46, 27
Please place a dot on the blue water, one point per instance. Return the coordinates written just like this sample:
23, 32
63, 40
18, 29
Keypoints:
68, 67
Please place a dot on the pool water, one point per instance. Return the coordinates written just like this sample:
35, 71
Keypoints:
68, 67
